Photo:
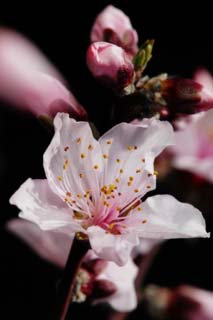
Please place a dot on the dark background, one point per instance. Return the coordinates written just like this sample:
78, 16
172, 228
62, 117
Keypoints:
183, 42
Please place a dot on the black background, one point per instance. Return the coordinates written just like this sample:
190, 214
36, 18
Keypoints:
183, 34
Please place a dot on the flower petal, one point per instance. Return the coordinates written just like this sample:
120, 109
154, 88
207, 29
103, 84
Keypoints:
124, 299
40, 205
164, 217
112, 247
73, 163
52, 246
131, 150
28, 81
203, 77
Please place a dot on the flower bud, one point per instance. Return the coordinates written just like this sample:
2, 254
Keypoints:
113, 26
110, 64
186, 96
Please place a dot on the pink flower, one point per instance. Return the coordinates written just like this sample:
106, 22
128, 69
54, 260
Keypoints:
113, 26
110, 64
94, 188
29, 82
54, 247
181, 303
193, 150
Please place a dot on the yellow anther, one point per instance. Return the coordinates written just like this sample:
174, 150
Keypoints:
156, 173
95, 167
129, 183
78, 140
121, 171
82, 156
73, 201
148, 187
105, 156
118, 160
81, 175
90, 147
131, 178
110, 189
60, 178
139, 209
118, 208
136, 190
111, 226
109, 142
66, 199
138, 171
135, 147
143, 160
129, 148
144, 221
78, 196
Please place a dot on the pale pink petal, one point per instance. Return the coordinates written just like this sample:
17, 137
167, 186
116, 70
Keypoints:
52, 246
40, 205
73, 163
29, 82
112, 25
131, 150
164, 217
124, 299
203, 77
112, 247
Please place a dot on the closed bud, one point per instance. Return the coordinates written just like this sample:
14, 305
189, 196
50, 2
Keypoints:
110, 64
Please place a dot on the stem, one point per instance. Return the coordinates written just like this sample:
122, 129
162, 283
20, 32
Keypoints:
65, 291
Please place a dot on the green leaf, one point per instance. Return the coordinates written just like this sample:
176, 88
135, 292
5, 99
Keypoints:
143, 56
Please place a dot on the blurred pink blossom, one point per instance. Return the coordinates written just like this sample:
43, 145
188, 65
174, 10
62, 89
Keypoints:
193, 149
113, 26
110, 64
28, 80
95, 188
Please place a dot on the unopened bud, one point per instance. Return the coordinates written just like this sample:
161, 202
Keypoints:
110, 64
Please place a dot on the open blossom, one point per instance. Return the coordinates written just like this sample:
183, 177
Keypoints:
54, 247
29, 82
93, 188
110, 64
113, 26
193, 150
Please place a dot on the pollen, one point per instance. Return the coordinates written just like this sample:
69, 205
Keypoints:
136, 190
138, 171
144, 221
60, 178
66, 164
83, 156
96, 167
156, 173
81, 175
129, 148
110, 189
105, 156
66, 200
78, 140
109, 142
118, 160
90, 147
66, 148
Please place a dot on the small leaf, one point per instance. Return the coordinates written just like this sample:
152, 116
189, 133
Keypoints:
143, 56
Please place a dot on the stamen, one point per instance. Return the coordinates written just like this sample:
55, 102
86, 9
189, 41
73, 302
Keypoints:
105, 156
129, 183
109, 142
148, 187
60, 178
78, 140
68, 194
144, 221
136, 190
135, 147
121, 171
90, 147
156, 173
131, 178
95, 167
118, 160
83, 155
66, 148
129, 148
138, 171
81, 175
143, 160
139, 209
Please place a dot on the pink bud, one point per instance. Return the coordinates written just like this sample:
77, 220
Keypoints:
186, 95
110, 64
29, 82
113, 26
